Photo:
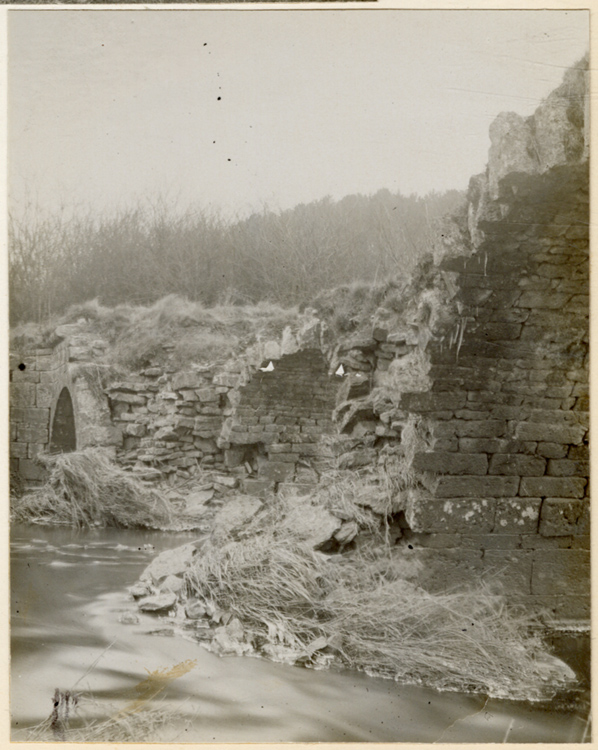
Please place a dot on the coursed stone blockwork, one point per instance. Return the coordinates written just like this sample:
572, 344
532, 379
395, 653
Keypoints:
37, 378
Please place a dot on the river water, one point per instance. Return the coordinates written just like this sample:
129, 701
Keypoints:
69, 595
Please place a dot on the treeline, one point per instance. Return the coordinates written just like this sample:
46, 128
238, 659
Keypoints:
141, 254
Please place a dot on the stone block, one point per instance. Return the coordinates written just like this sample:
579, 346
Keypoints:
31, 470
32, 433
134, 429
127, 398
18, 450
430, 401
258, 487
549, 433
28, 375
22, 395
276, 471
490, 541
582, 403
280, 448
564, 516
552, 487
233, 457
451, 463
30, 415
561, 571
474, 487
189, 395
437, 540
549, 300
187, 380
495, 445
184, 423
515, 515
535, 541
446, 444
509, 464
513, 568
228, 379
290, 458
45, 363
552, 450
554, 416
170, 562
574, 608
568, 468
425, 513
34, 449
234, 516
206, 395
500, 331
581, 541
578, 453
442, 567
483, 428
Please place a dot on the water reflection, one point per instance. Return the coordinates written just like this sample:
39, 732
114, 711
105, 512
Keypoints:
68, 591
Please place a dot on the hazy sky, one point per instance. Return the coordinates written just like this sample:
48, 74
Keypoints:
234, 109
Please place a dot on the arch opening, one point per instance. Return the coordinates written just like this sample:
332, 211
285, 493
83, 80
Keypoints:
63, 437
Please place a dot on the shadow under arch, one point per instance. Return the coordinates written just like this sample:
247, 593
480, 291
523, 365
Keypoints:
63, 436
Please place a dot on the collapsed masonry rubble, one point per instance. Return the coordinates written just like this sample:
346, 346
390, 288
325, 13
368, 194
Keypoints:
478, 386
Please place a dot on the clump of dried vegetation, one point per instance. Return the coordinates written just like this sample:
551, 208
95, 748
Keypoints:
172, 330
67, 723
365, 609
85, 488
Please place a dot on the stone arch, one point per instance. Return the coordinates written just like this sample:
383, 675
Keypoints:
63, 433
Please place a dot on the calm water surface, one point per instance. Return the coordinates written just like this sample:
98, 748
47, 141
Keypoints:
69, 591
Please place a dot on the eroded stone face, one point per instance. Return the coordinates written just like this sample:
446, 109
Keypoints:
513, 149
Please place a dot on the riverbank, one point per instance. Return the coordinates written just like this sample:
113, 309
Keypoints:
74, 585
320, 579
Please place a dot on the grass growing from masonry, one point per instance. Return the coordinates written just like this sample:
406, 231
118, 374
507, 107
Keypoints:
84, 489
173, 329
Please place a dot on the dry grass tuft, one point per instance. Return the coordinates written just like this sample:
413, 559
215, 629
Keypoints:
365, 610
124, 726
85, 488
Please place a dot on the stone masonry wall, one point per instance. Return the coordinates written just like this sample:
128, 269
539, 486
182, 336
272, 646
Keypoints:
286, 412
36, 379
474, 387
262, 427
504, 482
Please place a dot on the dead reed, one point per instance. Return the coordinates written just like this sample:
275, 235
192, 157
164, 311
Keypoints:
85, 488
366, 611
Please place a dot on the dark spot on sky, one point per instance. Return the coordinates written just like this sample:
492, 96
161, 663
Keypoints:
219, 98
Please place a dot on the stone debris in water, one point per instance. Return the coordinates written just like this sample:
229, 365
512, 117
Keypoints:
171, 562
158, 603
129, 618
